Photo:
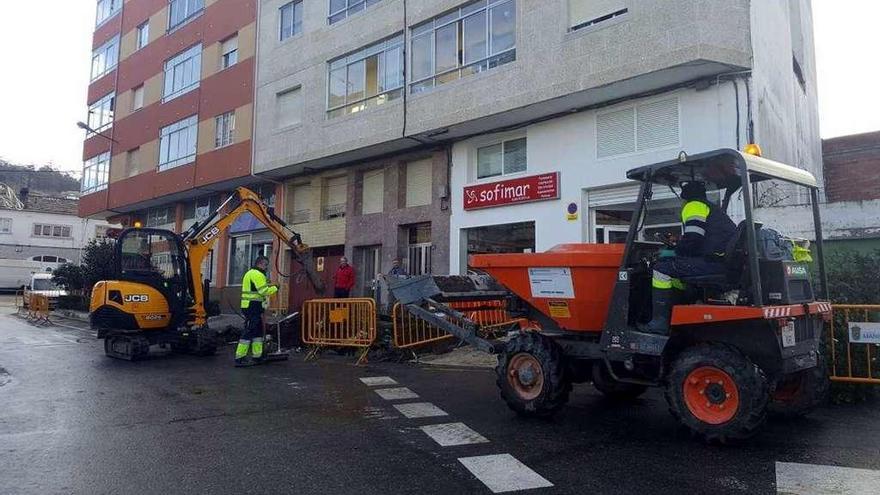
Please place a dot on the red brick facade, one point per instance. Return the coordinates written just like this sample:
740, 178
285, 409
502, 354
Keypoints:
852, 167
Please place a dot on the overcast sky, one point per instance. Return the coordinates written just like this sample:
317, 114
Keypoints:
47, 51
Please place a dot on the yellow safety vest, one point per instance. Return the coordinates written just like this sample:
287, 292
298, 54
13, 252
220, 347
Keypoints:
254, 287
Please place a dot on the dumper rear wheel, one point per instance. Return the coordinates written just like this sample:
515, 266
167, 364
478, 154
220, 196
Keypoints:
532, 376
717, 392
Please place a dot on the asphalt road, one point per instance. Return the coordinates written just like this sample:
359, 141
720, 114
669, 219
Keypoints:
74, 421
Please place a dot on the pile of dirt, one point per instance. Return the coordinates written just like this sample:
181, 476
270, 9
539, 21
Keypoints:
466, 356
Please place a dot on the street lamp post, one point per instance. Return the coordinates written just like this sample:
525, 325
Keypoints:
85, 127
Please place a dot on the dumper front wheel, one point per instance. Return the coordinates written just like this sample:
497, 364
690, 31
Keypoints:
531, 375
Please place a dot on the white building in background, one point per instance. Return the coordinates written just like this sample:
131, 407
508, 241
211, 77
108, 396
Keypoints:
46, 230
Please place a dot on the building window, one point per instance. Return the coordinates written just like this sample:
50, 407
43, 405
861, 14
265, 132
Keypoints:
106, 10
137, 98
96, 172
177, 143
471, 39
104, 59
101, 232
288, 108
101, 113
229, 52
291, 19
418, 183
419, 249
182, 11
586, 13
366, 78
159, 217
47, 230
132, 162
505, 158
225, 131
243, 250
5, 225
183, 73
143, 35
373, 192
302, 204
335, 195
637, 128
340, 9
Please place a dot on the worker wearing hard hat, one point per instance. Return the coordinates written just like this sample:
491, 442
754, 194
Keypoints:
255, 292
700, 251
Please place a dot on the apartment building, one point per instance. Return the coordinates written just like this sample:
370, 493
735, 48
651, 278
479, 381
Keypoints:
170, 117
535, 108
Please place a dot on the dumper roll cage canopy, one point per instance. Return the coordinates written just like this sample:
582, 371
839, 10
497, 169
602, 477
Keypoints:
729, 171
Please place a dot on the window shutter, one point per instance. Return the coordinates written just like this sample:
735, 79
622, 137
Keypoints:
615, 133
418, 183
658, 124
373, 191
289, 108
336, 192
583, 11
302, 204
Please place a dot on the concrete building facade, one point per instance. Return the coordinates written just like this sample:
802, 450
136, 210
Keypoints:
554, 97
171, 116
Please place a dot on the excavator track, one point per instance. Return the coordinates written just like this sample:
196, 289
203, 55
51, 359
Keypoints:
128, 348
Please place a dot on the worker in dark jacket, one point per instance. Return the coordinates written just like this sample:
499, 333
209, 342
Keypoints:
343, 279
255, 292
700, 251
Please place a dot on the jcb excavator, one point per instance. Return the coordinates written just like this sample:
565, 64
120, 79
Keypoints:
159, 293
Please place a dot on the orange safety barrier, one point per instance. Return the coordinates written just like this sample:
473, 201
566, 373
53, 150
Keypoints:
854, 343
411, 331
38, 308
339, 323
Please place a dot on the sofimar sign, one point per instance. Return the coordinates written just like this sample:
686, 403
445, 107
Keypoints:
864, 332
520, 190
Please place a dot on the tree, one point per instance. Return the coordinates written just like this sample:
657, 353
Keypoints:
69, 277
98, 262
853, 277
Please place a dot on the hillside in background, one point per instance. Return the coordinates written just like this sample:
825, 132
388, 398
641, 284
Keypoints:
41, 178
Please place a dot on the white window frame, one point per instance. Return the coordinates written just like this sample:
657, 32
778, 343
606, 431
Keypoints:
137, 103
187, 62
637, 148
103, 13
504, 172
48, 230
280, 121
96, 173
458, 16
296, 23
142, 35
192, 9
385, 93
174, 152
351, 8
224, 134
5, 226
228, 53
154, 219
101, 112
105, 58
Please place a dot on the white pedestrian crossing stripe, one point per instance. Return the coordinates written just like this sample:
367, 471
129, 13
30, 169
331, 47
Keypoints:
400, 393
809, 479
453, 434
375, 381
504, 473
420, 410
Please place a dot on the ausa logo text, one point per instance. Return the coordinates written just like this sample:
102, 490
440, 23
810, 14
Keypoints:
137, 298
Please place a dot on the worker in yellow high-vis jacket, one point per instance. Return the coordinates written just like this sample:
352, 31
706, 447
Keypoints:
255, 292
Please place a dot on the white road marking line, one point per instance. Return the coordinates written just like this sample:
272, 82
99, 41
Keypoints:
420, 410
396, 393
375, 381
810, 479
452, 434
504, 473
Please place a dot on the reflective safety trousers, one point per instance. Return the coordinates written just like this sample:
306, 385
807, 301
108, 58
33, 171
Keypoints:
254, 287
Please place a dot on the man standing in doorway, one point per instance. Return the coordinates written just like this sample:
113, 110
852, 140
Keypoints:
397, 269
343, 279
255, 291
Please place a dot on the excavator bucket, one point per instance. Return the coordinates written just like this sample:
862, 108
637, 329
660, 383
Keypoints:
414, 290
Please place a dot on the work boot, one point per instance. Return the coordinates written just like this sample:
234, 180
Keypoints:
661, 313
244, 362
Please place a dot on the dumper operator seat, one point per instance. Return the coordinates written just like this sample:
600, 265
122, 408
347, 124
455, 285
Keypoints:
735, 272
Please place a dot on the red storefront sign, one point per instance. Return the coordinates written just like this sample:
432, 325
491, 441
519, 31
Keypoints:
520, 190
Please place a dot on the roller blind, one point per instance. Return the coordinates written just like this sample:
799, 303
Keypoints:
418, 183
373, 191
583, 11
302, 203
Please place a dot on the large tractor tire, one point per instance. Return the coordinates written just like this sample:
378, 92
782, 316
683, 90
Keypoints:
717, 392
799, 393
532, 376
613, 389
